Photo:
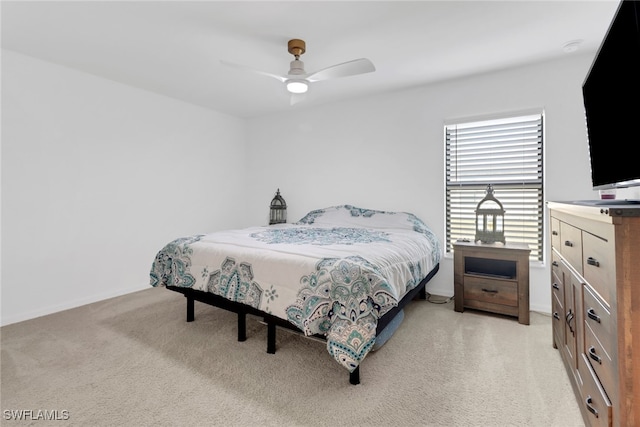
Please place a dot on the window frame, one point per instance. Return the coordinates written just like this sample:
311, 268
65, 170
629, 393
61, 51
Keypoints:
533, 238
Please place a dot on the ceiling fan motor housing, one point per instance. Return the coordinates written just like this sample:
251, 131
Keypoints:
296, 47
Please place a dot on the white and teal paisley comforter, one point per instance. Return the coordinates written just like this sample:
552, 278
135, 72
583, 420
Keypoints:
335, 272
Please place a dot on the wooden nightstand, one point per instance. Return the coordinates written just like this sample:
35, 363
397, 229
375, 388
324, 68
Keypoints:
492, 277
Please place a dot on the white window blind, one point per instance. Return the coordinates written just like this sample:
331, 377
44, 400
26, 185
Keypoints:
506, 153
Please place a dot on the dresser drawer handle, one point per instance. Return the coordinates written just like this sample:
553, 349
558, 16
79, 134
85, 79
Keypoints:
569, 318
593, 261
568, 243
555, 286
590, 408
554, 263
554, 233
490, 291
556, 315
594, 356
591, 313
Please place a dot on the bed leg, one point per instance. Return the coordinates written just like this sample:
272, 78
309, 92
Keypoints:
190, 309
354, 377
242, 326
271, 338
423, 293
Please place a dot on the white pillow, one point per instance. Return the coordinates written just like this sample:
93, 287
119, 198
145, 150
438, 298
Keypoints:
348, 215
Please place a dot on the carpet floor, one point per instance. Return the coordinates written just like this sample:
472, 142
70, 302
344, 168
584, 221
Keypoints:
134, 361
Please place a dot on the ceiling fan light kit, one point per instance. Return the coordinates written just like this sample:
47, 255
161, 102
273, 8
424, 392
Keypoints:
297, 86
297, 80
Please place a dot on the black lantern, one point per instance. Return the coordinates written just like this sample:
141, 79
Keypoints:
278, 213
490, 219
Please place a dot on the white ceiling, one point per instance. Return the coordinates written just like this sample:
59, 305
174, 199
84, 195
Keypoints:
175, 47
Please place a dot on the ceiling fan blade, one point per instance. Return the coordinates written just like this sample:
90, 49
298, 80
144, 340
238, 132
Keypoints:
297, 97
350, 68
253, 70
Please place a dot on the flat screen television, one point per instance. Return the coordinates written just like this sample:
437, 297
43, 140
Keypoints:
611, 93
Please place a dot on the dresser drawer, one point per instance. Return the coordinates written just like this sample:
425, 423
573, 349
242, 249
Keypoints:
501, 292
571, 245
598, 318
555, 233
557, 285
600, 361
595, 402
599, 265
557, 314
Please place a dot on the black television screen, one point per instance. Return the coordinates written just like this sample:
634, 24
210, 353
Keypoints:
611, 93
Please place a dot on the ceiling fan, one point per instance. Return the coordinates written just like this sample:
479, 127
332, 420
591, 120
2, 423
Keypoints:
297, 80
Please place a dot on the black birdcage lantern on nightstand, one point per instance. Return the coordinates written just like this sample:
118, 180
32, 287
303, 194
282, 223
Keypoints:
278, 212
490, 219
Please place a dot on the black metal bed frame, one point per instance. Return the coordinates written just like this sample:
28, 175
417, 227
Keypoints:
242, 310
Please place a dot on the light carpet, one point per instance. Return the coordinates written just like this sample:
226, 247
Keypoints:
134, 361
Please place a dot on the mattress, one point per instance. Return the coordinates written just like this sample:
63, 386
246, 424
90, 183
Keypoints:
334, 273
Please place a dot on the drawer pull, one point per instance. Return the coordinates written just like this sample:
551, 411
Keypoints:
569, 317
555, 286
491, 291
554, 263
554, 233
556, 315
568, 243
590, 408
593, 261
594, 356
591, 313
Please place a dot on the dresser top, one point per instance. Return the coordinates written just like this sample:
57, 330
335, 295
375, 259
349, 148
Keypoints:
612, 208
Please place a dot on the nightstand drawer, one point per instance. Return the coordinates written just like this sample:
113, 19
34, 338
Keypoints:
501, 292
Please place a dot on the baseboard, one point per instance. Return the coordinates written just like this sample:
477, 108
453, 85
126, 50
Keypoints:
542, 309
441, 291
69, 305
444, 292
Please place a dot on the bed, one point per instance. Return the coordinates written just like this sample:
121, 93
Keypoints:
340, 273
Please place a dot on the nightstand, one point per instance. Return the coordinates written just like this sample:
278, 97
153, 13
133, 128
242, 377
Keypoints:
493, 277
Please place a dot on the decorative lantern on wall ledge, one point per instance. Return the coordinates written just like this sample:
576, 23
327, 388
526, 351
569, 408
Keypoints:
278, 214
490, 219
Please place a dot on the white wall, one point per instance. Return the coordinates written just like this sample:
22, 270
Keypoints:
97, 177
387, 152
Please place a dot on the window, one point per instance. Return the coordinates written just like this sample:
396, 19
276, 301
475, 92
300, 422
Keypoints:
504, 152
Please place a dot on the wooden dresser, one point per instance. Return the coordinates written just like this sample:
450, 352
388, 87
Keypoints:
595, 287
